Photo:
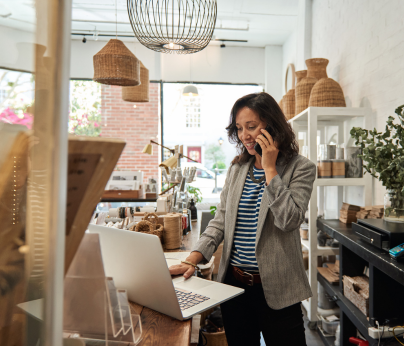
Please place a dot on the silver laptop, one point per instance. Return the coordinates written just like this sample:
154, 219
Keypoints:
136, 262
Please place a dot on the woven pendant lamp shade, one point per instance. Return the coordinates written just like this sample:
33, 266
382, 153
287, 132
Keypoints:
300, 75
327, 93
138, 93
288, 104
115, 64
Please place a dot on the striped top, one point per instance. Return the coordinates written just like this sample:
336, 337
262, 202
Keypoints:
243, 251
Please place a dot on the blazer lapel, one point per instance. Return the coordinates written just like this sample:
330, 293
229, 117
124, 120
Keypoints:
233, 201
265, 205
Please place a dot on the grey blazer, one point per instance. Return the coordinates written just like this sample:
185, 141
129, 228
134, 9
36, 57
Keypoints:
278, 247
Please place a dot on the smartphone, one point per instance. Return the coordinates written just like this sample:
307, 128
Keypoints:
257, 147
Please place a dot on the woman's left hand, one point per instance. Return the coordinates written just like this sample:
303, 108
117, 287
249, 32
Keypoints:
269, 153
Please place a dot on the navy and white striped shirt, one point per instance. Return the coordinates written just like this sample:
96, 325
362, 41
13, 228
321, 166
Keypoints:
243, 251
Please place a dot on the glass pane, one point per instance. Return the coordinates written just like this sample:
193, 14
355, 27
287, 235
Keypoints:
33, 142
198, 122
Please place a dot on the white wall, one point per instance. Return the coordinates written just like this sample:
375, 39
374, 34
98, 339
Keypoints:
17, 49
273, 71
288, 56
213, 64
364, 41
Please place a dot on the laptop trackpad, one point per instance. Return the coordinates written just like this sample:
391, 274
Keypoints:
193, 284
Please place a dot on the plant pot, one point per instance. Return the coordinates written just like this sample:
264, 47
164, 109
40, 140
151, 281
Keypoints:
288, 104
394, 206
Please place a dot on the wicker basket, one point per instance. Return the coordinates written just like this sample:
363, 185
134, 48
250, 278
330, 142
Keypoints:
281, 104
147, 227
302, 93
216, 339
317, 68
289, 104
138, 93
300, 75
327, 93
115, 64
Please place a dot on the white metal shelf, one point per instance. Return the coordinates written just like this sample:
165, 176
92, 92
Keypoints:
312, 121
322, 250
340, 182
331, 114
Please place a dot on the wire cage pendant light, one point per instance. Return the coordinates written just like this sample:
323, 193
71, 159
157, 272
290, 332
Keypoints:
173, 26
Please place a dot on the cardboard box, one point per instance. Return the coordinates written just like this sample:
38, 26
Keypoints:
356, 289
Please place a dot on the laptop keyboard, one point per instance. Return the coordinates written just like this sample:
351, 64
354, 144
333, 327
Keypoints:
189, 299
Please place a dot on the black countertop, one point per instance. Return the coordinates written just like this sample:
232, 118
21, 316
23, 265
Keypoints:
379, 258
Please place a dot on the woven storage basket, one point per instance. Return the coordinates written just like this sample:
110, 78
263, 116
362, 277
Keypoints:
216, 339
141, 92
115, 64
300, 75
302, 93
281, 104
147, 227
327, 93
317, 68
289, 104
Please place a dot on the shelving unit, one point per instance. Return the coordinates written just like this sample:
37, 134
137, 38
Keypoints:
386, 282
310, 121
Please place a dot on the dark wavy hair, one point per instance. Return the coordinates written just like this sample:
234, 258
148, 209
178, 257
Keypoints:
269, 112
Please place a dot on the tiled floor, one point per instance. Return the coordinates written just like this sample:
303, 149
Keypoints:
312, 338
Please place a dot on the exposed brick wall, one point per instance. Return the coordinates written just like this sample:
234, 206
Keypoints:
364, 41
135, 125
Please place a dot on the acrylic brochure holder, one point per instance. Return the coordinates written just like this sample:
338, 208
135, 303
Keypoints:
94, 309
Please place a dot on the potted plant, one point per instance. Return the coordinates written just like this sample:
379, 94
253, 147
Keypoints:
383, 156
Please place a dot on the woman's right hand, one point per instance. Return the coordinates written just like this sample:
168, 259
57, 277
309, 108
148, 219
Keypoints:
182, 268
186, 269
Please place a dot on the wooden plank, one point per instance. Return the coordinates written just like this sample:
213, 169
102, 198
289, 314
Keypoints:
162, 330
104, 154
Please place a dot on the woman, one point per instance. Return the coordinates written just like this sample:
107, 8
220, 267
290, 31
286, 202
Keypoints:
262, 205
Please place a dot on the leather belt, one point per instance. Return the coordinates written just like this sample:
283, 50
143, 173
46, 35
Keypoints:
245, 277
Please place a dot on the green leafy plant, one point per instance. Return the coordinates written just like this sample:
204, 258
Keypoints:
213, 209
219, 165
383, 154
214, 153
196, 192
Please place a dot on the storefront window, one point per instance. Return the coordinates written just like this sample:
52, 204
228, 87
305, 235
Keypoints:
199, 122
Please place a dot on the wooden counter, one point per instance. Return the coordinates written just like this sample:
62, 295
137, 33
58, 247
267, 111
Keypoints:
160, 329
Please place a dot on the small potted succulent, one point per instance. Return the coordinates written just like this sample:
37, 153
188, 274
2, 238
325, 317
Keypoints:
383, 156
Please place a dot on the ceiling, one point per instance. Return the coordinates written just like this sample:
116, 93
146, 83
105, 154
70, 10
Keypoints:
259, 22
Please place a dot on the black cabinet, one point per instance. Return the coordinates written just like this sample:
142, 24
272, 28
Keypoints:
386, 282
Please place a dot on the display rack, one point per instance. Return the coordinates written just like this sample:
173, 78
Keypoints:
386, 282
310, 121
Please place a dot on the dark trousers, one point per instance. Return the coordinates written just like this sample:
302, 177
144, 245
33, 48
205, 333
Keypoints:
245, 316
